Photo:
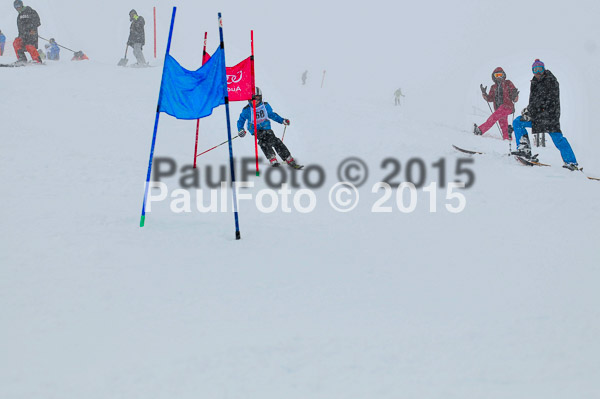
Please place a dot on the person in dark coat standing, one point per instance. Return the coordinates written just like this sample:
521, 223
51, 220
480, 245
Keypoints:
137, 37
28, 22
542, 115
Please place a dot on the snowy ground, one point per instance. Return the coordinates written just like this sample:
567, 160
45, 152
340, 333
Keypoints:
497, 301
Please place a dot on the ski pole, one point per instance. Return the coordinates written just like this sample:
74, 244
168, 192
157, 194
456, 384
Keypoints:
283, 136
218, 145
66, 48
510, 136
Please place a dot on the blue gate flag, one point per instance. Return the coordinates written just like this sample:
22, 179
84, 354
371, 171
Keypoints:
193, 94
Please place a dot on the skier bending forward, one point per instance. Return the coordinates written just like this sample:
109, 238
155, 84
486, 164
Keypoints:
266, 138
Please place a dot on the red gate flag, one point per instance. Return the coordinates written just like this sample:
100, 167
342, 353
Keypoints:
240, 82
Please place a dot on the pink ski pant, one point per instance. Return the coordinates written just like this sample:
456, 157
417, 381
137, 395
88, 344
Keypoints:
500, 116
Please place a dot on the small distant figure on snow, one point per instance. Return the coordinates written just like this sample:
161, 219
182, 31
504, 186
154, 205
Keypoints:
2, 42
137, 37
504, 95
397, 95
304, 77
28, 22
266, 138
52, 50
542, 115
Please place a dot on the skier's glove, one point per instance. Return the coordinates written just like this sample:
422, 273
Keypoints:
483, 90
525, 115
242, 133
515, 95
286, 122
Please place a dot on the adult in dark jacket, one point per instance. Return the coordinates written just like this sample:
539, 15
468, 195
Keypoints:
542, 115
28, 22
504, 95
137, 37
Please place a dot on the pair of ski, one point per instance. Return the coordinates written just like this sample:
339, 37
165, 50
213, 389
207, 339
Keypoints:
523, 161
295, 166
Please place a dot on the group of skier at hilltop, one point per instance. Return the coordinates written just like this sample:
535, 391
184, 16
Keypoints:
542, 114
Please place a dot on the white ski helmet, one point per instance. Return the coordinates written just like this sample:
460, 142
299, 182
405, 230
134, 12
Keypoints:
257, 95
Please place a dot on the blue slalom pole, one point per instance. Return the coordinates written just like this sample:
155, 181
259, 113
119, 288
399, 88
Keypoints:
235, 207
143, 218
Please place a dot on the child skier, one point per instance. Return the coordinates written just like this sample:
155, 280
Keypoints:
266, 138
542, 115
52, 50
504, 95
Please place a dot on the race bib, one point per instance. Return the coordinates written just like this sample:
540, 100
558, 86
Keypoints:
261, 114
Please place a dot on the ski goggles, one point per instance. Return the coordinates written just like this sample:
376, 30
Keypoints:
538, 69
499, 75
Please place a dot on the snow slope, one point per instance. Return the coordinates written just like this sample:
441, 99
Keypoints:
497, 301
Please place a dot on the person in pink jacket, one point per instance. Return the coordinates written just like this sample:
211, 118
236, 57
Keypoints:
504, 95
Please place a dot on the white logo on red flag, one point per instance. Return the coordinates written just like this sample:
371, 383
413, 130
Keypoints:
232, 79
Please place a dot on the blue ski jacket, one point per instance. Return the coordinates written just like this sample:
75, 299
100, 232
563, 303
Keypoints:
53, 52
246, 115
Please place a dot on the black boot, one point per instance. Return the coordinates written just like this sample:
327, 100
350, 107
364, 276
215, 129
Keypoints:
524, 148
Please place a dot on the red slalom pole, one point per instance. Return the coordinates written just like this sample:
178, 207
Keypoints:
196, 145
154, 32
198, 121
253, 100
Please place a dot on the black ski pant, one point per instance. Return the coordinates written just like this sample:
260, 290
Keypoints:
268, 141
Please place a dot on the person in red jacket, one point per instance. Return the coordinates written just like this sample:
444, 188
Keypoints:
504, 95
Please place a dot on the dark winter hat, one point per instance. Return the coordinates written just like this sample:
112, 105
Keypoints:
18, 4
133, 12
538, 63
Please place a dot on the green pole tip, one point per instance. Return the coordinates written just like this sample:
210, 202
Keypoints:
142, 220
257, 173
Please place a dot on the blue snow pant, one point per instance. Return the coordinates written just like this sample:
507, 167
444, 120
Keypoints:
560, 141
